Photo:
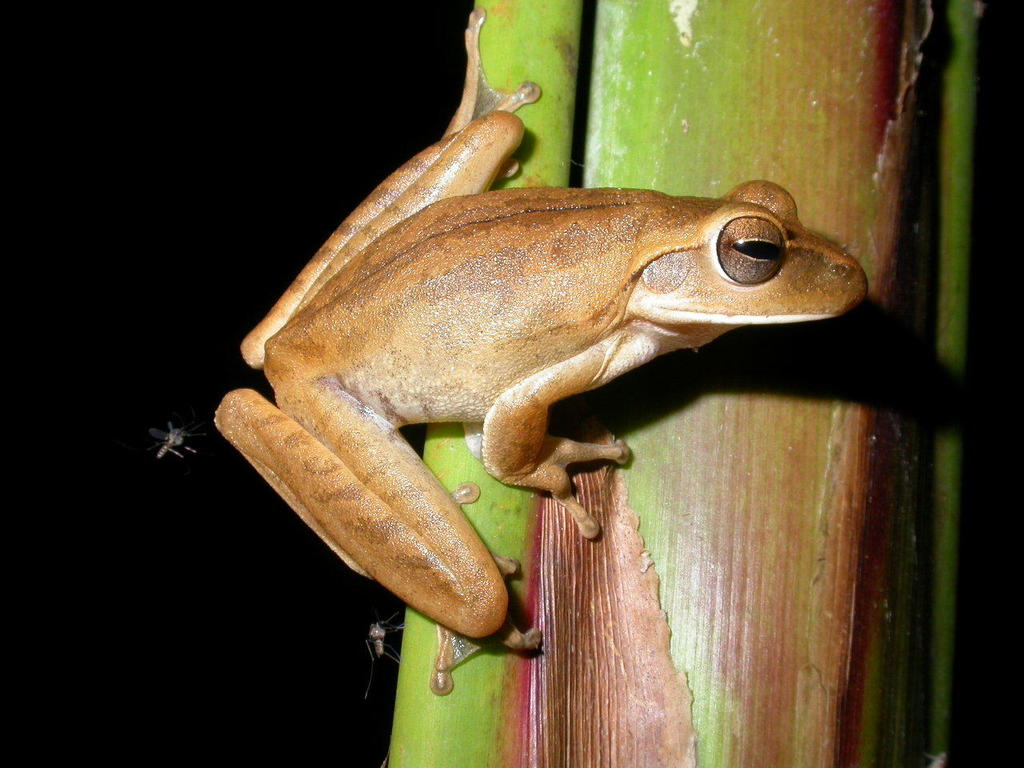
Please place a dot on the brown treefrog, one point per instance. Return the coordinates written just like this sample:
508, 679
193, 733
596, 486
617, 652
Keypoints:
437, 300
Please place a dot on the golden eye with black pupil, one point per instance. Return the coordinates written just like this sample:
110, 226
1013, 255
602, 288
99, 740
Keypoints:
750, 250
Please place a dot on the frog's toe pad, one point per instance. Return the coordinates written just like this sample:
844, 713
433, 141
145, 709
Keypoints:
532, 638
467, 493
625, 454
588, 527
508, 566
441, 683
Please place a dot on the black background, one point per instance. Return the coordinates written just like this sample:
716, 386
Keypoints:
212, 152
227, 147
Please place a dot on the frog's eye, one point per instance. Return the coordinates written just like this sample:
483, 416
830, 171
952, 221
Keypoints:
750, 250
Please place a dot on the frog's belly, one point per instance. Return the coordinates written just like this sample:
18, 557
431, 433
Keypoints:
405, 395
438, 389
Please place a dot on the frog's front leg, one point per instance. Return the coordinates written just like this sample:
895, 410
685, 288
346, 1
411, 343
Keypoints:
516, 446
352, 477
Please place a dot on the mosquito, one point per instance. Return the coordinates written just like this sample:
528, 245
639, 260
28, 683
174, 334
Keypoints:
376, 646
174, 438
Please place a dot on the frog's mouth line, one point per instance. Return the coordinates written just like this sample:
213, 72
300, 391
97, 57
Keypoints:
666, 315
758, 319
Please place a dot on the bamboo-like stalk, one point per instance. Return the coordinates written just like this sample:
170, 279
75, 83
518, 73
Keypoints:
779, 477
520, 41
782, 520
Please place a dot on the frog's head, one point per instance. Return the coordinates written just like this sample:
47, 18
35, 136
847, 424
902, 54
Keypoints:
747, 261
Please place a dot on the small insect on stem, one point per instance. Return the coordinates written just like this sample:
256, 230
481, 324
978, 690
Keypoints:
174, 438
375, 644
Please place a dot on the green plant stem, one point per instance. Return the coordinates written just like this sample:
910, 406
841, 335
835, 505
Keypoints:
520, 41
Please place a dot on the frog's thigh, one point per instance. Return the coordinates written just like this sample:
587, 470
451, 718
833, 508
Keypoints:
371, 499
516, 446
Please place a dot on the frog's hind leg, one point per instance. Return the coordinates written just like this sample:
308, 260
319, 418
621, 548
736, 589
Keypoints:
351, 476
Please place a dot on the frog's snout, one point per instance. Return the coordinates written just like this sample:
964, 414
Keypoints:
846, 282
854, 280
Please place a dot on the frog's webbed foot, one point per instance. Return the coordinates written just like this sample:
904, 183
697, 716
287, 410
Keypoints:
453, 649
478, 97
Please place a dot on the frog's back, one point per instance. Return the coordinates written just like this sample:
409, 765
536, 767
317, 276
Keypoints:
501, 215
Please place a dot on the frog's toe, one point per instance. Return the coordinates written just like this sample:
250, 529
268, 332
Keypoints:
508, 566
467, 493
625, 454
564, 452
588, 527
530, 640
527, 93
441, 683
